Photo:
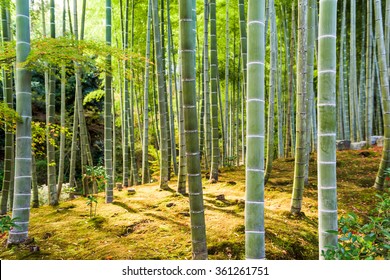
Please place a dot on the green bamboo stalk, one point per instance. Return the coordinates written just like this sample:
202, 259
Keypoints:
145, 142
294, 57
133, 162
125, 104
254, 202
327, 183
70, 17
369, 91
188, 80
227, 58
202, 110
300, 148
280, 103
346, 90
9, 149
34, 183
271, 94
290, 100
237, 120
214, 93
167, 107
243, 46
353, 76
61, 161
108, 149
73, 154
170, 93
23, 161
50, 115
182, 176
384, 83
83, 11
342, 119
361, 100
207, 125
161, 99
310, 87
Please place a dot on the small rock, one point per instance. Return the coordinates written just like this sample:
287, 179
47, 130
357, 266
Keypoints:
34, 249
232, 183
220, 197
131, 191
380, 141
343, 145
170, 204
358, 145
185, 214
374, 139
119, 186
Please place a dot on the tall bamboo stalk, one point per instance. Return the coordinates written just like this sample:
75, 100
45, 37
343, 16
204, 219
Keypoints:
300, 148
310, 87
353, 106
23, 160
108, 149
271, 94
188, 80
327, 183
161, 99
133, 161
254, 202
170, 92
243, 46
227, 57
9, 148
50, 115
369, 68
207, 125
145, 142
214, 93
125, 104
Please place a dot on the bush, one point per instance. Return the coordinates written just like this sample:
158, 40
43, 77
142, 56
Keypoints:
370, 240
41, 171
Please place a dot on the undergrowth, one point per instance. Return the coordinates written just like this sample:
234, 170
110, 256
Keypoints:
155, 224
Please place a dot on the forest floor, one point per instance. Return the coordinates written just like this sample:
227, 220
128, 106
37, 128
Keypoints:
155, 224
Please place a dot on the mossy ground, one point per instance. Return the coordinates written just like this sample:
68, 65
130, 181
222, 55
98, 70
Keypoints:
154, 224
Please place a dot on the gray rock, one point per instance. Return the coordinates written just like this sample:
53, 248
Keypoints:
380, 141
358, 145
343, 145
374, 139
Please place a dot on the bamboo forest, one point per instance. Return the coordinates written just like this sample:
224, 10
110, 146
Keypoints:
195, 129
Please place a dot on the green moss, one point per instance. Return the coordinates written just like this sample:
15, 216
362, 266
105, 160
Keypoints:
97, 222
143, 227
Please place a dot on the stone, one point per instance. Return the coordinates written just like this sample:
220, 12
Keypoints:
380, 141
374, 139
131, 191
358, 145
343, 145
119, 186
170, 204
220, 197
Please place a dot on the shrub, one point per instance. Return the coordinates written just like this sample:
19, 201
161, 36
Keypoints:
370, 240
